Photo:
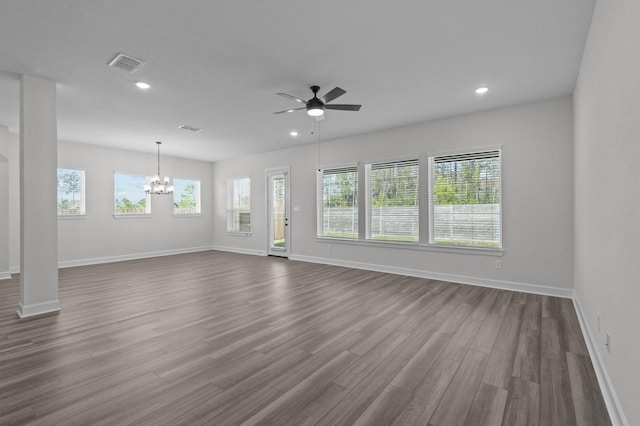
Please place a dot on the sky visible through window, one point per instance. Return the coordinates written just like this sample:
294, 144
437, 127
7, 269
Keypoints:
65, 191
130, 187
179, 185
130, 197
70, 192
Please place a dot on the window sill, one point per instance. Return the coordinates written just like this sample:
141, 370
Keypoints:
239, 234
186, 215
132, 216
72, 216
414, 246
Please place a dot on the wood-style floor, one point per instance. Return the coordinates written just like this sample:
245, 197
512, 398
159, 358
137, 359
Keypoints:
219, 338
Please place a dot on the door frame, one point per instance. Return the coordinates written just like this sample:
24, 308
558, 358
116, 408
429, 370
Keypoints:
275, 171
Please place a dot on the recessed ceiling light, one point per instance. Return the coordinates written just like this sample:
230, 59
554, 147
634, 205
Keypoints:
294, 133
143, 85
482, 90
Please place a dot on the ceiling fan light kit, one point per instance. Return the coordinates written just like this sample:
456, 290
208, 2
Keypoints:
316, 106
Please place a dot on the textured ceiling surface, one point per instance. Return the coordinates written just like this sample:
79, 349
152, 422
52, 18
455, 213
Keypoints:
218, 65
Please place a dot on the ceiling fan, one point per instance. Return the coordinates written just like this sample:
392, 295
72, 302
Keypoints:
315, 106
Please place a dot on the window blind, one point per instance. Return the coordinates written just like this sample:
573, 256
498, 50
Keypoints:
392, 201
239, 204
465, 199
338, 203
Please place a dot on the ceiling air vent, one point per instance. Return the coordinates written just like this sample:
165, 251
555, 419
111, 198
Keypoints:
189, 128
127, 63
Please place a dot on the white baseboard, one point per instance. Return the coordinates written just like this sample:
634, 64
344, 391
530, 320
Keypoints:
5, 275
14, 269
25, 311
611, 400
240, 250
133, 256
461, 279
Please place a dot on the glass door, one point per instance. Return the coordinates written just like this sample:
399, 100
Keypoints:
278, 215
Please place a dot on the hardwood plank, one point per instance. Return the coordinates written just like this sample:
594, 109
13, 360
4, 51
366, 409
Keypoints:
224, 338
487, 407
503, 354
556, 400
414, 371
526, 364
574, 342
587, 401
551, 343
297, 398
425, 398
457, 400
355, 373
351, 408
523, 403
461, 341
384, 408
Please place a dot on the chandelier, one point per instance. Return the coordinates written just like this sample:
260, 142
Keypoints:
156, 186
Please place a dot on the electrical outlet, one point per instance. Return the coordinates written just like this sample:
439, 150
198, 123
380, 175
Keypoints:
598, 320
499, 264
608, 343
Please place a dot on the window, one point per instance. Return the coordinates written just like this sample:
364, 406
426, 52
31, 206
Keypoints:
71, 192
338, 203
239, 205
186, 196
392, 201
130, 198
465, 200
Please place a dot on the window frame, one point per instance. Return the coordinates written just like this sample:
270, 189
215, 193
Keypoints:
424, 208
198, 200
367, 190
148, 210
231, 209
430, 240
81, 201
320, 231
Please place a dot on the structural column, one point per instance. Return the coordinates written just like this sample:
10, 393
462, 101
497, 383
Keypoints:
38, 212
4, 203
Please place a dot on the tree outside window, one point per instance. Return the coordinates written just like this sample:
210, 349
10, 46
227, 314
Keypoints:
466, 200
186, 196
70, 192
130, 198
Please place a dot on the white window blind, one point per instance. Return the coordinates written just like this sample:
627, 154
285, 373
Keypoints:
392, 201
465, 199
71, 192
239, 204
338, 203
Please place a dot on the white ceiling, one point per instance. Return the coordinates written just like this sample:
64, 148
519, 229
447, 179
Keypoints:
218, 65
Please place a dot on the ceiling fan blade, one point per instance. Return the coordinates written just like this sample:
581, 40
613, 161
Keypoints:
343, 107
293, 98
333, 94
289, 110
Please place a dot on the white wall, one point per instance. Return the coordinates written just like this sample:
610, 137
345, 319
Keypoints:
607, 200
4, 203
537, 196
14, 202
99, 236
